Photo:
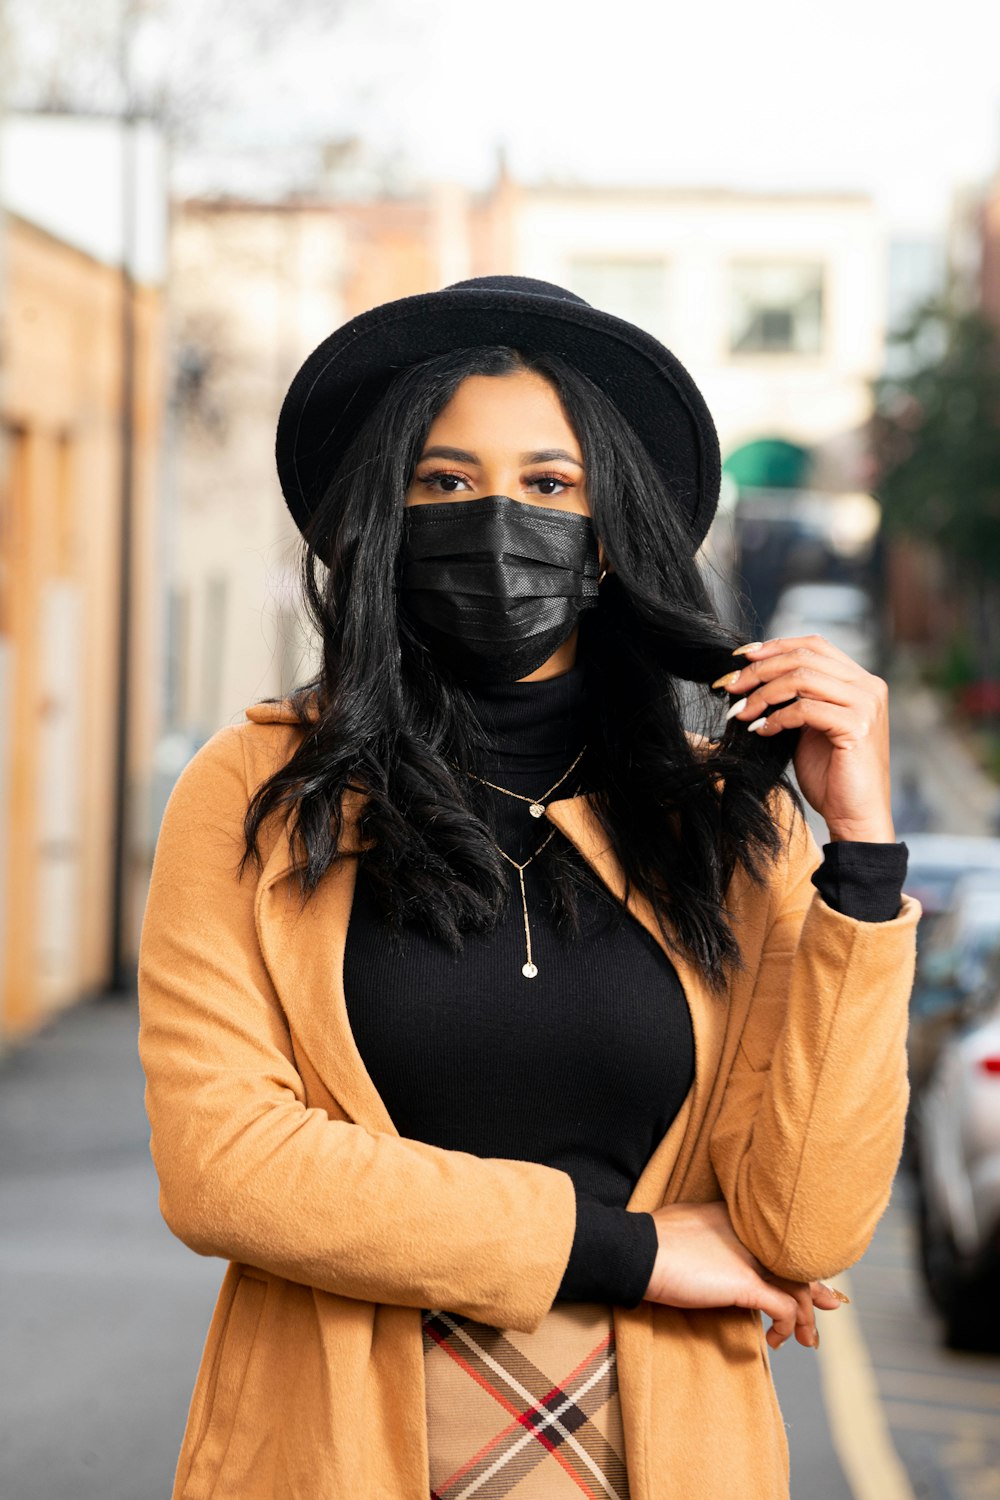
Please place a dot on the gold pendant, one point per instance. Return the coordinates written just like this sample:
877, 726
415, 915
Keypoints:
529, 968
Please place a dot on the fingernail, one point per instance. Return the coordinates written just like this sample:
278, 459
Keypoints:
816, 1339
752, 646
757, 722
841, 1296
727, 678
734, 708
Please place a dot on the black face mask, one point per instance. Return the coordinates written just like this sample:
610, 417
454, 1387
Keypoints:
495, 585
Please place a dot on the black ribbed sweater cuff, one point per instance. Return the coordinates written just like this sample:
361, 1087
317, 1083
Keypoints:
612, 1255
862, 880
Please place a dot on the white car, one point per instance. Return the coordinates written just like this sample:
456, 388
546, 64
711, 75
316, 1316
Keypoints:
958, 1182
960, 893
842, 612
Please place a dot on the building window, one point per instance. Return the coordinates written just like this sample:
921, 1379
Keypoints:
632, 289
776, 308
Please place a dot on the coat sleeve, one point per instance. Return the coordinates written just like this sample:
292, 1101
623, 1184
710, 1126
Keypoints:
810, 1130
247, 1170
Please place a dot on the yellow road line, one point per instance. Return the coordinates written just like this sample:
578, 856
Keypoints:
858, 1427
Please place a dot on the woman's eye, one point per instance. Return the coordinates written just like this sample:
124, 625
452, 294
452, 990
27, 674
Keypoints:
444, 483
546, 480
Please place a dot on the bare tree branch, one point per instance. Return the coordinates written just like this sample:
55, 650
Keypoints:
175, 61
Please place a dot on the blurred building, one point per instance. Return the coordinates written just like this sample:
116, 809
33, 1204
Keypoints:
62, 303
775, 302
254, 288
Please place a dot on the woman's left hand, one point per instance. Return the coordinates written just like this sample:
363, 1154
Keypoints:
842, 758
808, 1295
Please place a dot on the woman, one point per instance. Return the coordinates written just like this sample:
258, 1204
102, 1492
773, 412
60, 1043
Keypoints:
516, 1045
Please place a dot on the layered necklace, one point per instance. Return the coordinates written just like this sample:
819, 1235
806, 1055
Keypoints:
536, 809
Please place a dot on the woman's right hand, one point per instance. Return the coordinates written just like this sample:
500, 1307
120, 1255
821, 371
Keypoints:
701, 1263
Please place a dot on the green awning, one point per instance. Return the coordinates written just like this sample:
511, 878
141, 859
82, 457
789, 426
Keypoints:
769, 463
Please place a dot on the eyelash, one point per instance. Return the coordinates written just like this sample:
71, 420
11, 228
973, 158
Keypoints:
428, 479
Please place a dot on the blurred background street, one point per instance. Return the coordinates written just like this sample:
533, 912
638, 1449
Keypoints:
807, 211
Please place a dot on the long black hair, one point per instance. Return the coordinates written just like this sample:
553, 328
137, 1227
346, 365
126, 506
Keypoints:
393, 722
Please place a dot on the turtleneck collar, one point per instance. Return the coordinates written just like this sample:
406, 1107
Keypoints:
533, 726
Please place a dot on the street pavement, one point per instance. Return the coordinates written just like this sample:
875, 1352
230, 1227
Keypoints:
941, 1407
103, 1313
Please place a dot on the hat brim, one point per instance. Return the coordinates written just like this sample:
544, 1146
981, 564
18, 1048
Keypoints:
346, 374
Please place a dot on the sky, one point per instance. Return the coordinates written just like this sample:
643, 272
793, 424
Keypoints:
894, 97
899, 98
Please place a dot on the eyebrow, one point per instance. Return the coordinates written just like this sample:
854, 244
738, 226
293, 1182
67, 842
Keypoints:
541, 456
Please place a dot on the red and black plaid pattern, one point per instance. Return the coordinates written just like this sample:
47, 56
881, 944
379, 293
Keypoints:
534, 1416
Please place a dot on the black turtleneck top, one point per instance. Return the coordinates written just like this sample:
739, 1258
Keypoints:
582, 1067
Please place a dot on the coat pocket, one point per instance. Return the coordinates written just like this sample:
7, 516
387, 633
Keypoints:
231, 1365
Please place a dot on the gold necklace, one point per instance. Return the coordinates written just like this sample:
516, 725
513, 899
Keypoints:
529, 969
535, 804
535, 807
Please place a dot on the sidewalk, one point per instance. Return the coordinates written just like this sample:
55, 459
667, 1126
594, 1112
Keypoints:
104, 1312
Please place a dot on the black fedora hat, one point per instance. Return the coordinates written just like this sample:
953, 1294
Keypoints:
344, 377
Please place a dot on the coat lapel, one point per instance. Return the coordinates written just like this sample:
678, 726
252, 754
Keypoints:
304, 952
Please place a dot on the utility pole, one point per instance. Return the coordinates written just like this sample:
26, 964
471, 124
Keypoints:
6, 729
122, 969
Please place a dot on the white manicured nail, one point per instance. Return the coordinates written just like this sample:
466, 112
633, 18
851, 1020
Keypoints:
734, 708
758, 722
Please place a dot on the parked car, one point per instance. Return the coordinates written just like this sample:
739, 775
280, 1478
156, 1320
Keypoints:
936, 861
842, 612
951, 965
958, 1181
949, 972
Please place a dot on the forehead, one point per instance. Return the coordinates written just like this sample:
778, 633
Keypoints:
516, 406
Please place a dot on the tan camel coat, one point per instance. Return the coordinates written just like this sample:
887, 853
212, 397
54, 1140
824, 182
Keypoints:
275, 1152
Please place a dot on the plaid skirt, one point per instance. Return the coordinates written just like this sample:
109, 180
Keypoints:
531, 1416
